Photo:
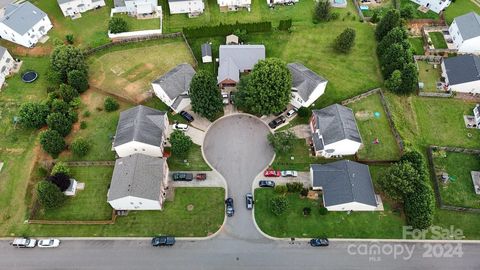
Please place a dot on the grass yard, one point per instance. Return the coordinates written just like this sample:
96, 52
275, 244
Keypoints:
429, 75
459, 192
438, 40
416, 43
135, 24
458, 8
418, 14
372, 128
195, 161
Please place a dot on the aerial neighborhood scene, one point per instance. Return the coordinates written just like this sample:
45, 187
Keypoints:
238, 131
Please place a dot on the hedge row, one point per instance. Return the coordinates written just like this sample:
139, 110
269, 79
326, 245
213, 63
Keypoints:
226, 29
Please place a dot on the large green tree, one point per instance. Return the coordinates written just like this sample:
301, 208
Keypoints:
205, 96
390, 20
396, 35
49, 195
67, 92
394, 82
59, 122
399, 180
78, 79
395, 58
420, 206
409, 79
282, 142
323, 11
181, 143
66, 58
52, 142
345, 41
33, 114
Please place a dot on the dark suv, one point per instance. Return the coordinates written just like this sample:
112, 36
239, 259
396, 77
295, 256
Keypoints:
276, 122
182, 176
229, 207
187, 116
163, 241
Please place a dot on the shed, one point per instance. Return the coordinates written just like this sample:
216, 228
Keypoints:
206, 53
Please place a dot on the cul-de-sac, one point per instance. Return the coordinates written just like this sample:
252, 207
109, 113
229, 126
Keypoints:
233, 134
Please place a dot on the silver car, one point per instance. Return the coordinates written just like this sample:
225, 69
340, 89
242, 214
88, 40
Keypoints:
289, 173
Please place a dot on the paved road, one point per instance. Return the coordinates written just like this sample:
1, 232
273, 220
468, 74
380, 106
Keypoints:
237, 147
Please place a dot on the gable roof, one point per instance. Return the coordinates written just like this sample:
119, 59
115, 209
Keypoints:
206, 49
336, 123
176, 81
462, 69
344, 181
140, 124
236, 58
468, 25
304, 80
137, 175
22, 17
231, 39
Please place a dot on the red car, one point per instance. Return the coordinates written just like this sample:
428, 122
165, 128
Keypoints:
201, 176
272, 173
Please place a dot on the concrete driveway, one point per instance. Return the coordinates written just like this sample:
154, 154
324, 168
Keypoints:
213, 180
237, 147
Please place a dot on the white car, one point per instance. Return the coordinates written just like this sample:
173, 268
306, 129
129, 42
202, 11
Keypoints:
225, 98
24, 243
48, 243
181, 127
291, 113
289, 174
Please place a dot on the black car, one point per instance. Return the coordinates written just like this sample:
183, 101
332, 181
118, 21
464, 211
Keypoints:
266, 183
163, 241
276, 122
249, 200
187, 116
229, 207
182, 176
319, 242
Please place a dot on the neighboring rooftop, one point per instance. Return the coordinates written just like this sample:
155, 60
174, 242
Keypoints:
469, 25
2, 51
140, 124
231, 39
22, 17
177, 81
304, 81
237, 58
119, 3
206, 49
462, 69
344, 181
336, 123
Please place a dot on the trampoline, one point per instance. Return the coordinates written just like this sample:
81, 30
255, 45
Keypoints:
29, 76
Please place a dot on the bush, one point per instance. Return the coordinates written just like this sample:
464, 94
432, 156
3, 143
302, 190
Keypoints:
181, 143
52, 142
285, 25
304, 112
416, 160
33, 115
294, 187
323, 211
80, 147
78, 79
86, 113
59, 122
282, 142
117, 25
345, 41
307, 211
49, 195
60, 167
61, 180
83, 125
278, 205
226, 29
111, 104
304, 192
67, 92
420, 207
280, 189
241, 34
399, 180
59, 106
323, 11
69, 38
66, 58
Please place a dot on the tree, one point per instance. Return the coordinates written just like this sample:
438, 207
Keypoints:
395, 58
67, 92
268, 88
394, 82
294, 187
205, 97
181, 143
304, 112
61, 167
66, 58
280, 189
399, 180
345, 41
78, 79
420, 207
282, 142
416, 160
323, 11
278, 205
117, 25
407, 12
33, 114
52, 142
376, 16
61, 180
80, 147
396, 35
241, 34
110, 104
409, 78
323, 211
389, 21
59, 122
49, 195
60, 106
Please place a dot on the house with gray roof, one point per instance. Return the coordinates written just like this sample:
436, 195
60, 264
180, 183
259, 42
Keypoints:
207, 53
23, 24
236, 59
436, 6
73, 8
173, 87
462, 73
138, 183
465, 32
307, 86
334, 132
346, 186
7, 63
137, 8
142, 130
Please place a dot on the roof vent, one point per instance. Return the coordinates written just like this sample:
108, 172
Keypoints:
34, 11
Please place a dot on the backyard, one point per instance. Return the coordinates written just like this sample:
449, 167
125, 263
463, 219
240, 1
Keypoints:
416, 43
460, 7
429, 75
438, 40
418, 14
135, 24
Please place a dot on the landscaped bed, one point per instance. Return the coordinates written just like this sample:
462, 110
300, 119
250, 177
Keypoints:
429, 75
438, 40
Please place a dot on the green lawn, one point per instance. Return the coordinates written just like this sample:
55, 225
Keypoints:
418, 14
459, 192
429, 76
135, 24
438, 40
416, 43
372, 128
194, 161
458, 8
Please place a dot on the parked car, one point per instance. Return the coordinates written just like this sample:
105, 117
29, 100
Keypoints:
201, 176
182, 176
163, 241
289, 173
24, 242
319, 242
266, 183
225, 98
249, 200
229, 207
48, 243
276, 122
181, 127
272, 173
291, 113
187, 116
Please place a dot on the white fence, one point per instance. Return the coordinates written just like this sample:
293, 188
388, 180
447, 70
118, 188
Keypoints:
141, 33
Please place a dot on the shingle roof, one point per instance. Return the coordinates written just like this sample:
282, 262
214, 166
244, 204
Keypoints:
2, 51
22, 17
206, 49
137, 175
468, 25
344, 181
304, 81
336, 123
176, 81
236, 58
140, 124
462, 69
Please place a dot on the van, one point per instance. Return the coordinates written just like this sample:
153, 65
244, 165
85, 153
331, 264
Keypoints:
24, 242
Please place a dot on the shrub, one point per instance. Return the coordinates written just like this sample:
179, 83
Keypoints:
111, 104
70, 39
78, 79
83, 125
117, 25
80, 147
285, 25
416, 160
60, 167
294, 187
278, 205
52, 142
280, 189
67, 92
66, 58
33, 115
61, 180
399, 180
49, 195
59, 106
323, 211
345, 41
304, 192
304, 112
323, 11
86, 113
307, 211
181, 143
59, 122
420, 207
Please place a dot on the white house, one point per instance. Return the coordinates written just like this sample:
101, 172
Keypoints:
141, 130
281, 2
307, 86
346, 186
462, 73
191, 7
73, 7
465, 32
334, 131
138, 183
434, 5
172, 88
234, 5
6, 64
236, 59
135, 7
206, 53
23, 24
231, 40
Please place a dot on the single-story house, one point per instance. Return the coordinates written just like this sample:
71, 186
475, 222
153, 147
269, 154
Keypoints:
236, 59
436, 6
141, 130
465, 32
335, 132
462, 73
172, 88
73, 7
206, 53
307, 86
135, 7
280, 2
234, 5
24, 24
191, 7
346, 186
232, 40
138, 183
6, 64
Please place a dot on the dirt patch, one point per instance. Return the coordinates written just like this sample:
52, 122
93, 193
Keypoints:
40, 50
364, 115
139, 72
190, 207
134, 89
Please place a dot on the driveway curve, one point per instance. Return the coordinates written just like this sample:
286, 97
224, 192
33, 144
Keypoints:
237, 147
